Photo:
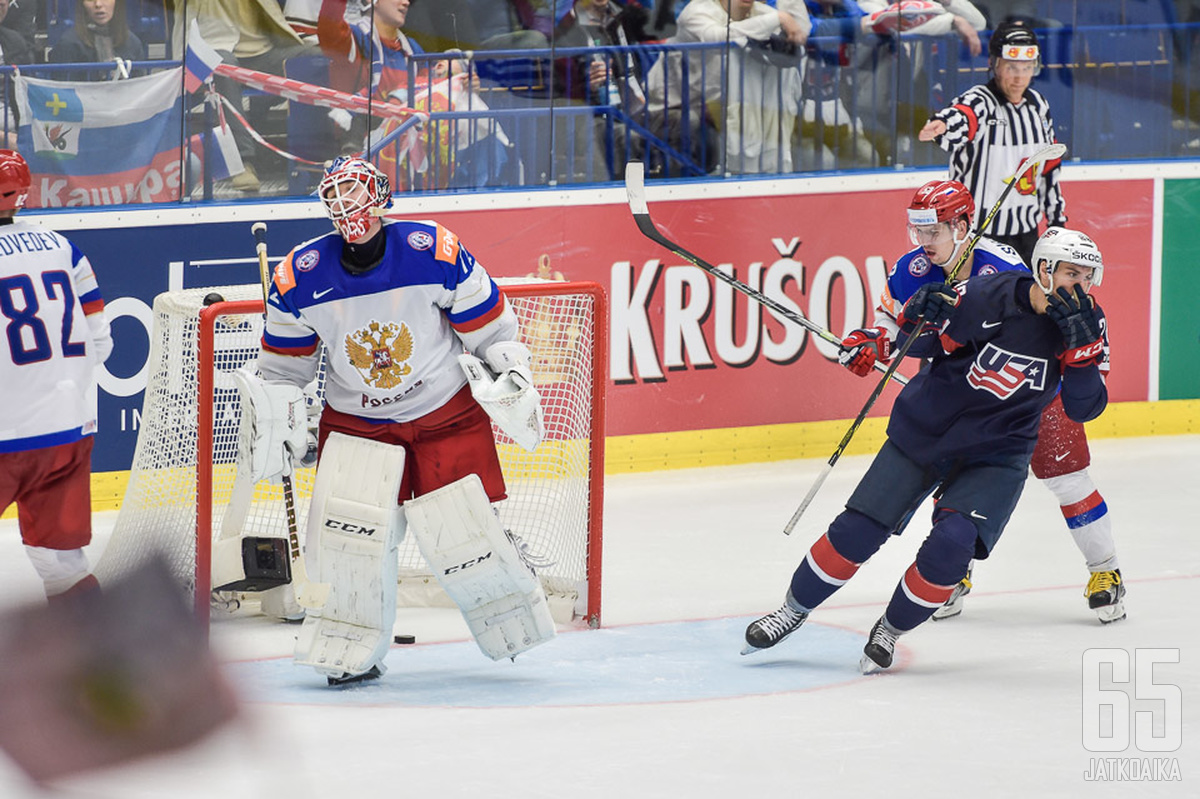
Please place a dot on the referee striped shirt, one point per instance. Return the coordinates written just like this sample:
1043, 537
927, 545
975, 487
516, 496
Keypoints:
987, 138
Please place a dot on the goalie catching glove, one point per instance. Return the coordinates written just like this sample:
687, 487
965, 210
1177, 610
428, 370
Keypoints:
503, 387
274, 427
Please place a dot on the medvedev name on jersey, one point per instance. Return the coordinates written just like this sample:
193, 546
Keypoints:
27, 241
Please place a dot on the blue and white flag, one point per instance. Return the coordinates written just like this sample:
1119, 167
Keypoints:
102, 142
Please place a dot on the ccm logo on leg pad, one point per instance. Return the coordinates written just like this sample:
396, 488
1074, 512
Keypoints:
349, 527
464, 566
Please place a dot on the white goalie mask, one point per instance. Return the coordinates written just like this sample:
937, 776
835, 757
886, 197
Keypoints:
353, 192
1060, 245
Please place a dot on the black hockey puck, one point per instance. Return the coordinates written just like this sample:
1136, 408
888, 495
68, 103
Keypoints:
405, 639
213, 297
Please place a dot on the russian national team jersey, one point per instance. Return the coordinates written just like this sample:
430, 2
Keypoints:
393, 334
914, 269
55, 336
994, 369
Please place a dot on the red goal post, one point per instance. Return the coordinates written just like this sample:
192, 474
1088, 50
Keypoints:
183, 469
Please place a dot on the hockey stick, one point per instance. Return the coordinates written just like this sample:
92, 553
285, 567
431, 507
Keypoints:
308, 594
1047, 153
635, 187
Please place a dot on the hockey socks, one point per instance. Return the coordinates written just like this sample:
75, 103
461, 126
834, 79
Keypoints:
836, 557
941, 562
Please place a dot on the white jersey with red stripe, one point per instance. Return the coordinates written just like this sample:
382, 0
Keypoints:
392, 333
56, 335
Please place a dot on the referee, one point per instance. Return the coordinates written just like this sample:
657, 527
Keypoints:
989, 129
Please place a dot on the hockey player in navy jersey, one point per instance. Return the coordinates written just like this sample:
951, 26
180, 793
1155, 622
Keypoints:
420, 348
938, 221
963, 429
939, 224
57, 336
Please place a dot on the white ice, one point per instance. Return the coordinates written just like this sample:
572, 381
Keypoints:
988, 704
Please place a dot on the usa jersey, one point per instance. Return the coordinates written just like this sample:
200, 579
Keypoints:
995, 368
914, 269
56, 335
392, 334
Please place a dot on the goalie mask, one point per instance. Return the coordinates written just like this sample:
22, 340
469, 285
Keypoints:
15, 180
1059, 245
354, 192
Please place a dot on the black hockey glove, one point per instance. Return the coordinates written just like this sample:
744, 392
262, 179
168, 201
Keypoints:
934, 301
1075, 315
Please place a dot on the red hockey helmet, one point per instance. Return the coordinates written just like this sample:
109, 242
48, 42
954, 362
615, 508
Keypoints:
14, 180
940, 201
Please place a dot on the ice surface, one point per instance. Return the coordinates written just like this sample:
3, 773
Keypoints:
659, 703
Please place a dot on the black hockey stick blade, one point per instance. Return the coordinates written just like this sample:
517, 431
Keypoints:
635, 188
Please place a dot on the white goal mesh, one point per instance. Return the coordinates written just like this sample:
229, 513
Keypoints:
183, 470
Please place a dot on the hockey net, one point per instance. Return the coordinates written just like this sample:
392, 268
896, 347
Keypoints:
183, 471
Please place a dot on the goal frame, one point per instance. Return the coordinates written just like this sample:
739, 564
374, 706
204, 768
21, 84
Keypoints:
206, 354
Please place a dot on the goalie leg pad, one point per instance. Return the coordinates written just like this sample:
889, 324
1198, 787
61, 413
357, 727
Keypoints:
478, 566
354, 529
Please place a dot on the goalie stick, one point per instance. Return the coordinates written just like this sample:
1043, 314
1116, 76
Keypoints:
1047, 153
635, 187
308, 594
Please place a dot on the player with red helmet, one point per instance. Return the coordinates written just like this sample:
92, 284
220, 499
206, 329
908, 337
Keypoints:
58, 334
939, 224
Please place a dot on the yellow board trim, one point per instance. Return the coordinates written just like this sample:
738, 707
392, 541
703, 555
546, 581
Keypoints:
777, 442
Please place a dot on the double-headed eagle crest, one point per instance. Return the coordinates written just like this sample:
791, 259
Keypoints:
379, 353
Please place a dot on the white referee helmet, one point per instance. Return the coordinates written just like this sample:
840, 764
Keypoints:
1061, 245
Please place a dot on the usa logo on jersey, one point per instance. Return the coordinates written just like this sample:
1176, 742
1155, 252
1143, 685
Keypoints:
1001, 372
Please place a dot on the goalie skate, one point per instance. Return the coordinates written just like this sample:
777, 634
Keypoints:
1106, 594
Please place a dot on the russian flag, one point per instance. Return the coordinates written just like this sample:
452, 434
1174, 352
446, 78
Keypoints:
101, 142
199, 60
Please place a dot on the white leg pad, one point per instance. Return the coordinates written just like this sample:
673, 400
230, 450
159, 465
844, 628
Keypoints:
480, 569
354, 529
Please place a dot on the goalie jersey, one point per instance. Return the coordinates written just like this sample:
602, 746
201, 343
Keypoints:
57, 336
392, 333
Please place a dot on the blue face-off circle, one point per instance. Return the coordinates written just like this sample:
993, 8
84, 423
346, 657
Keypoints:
639, 664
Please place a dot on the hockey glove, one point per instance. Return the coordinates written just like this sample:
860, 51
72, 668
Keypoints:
1075, 315
933, 301
862, 348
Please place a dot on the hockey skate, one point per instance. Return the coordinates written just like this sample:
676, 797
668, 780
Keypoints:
954, 604
1106, 594
774, 627
881, 646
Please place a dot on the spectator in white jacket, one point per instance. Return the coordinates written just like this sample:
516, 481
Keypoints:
759, 97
